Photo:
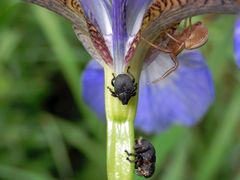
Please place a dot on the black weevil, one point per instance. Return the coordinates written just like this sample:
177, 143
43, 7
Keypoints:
124, 86
145, 157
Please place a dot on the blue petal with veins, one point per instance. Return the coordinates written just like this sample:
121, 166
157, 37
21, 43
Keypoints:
118, 22
237, 41
119, 34
182, 98
99, 14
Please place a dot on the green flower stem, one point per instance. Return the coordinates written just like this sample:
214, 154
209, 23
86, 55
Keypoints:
120, 138
120, 122
120, 132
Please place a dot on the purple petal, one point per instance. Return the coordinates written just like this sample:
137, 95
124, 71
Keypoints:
98, 13
119, 33
93, 88
182, 98
237, 41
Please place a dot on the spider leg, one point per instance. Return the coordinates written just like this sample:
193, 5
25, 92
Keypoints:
157, 47
190, 23
175, 66
173, 38
185, 23
188, 27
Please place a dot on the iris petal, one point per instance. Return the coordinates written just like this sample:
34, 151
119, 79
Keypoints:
119, 34
134, 20
237, 42
99, 13
183, 97
93, 88
155, 66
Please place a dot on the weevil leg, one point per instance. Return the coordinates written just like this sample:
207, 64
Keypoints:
138, 161
128, 70
133, 94
135, 87
113, 79
133, 79
131, 161
112, 92
129, 154
134, 90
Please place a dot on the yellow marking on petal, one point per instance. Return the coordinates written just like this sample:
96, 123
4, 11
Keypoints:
157, 8
75, 6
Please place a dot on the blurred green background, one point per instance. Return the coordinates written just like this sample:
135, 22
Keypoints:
47, 132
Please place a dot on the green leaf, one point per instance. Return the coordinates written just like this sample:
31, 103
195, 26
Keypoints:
221, 141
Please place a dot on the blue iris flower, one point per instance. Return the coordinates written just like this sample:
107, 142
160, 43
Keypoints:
181, 98
111, 32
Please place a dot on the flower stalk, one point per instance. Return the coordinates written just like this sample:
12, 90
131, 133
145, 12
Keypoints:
120, 122
120, 132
